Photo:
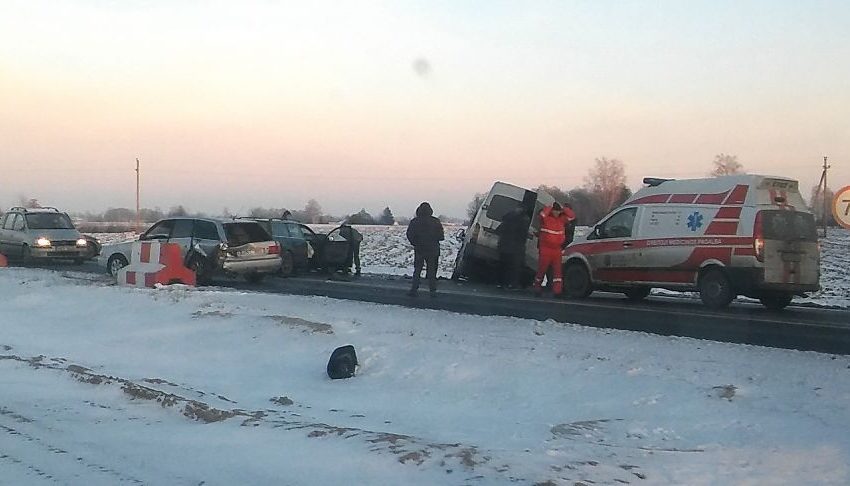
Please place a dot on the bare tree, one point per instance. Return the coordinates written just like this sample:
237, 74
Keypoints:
816, 205
607, 179
725, 164
474, 205
313, 211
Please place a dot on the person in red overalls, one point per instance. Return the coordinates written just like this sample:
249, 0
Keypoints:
551, 242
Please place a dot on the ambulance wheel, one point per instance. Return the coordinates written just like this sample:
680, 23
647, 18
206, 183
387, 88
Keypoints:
116, 262
775, 300
715, 289
637, 293
577, 282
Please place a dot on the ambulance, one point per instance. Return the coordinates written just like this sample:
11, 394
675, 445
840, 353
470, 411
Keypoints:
749, 235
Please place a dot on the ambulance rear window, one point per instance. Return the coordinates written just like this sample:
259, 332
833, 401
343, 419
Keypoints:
789, 226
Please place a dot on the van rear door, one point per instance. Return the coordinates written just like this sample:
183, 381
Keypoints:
787, 243
501, 200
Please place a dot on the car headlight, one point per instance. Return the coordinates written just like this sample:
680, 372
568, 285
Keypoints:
42, 242
82, 242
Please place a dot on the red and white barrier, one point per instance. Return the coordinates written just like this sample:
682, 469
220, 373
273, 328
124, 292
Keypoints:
152, 262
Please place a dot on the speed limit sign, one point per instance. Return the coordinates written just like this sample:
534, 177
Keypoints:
841, 207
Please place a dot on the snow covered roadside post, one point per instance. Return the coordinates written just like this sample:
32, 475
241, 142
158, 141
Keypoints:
152, 262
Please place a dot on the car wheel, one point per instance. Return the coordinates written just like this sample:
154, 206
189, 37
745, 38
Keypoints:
255, 278
287, 264
715, 289
116, 262
775, 300
637, 293
200, 266
577, 282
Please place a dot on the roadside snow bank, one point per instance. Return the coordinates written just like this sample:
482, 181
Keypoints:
183, 386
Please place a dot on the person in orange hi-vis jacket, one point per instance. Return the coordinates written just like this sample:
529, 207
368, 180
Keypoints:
551, 241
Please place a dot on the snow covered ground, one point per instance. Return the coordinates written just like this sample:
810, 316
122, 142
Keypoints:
104, 385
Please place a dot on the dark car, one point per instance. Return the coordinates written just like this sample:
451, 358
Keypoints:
304, 249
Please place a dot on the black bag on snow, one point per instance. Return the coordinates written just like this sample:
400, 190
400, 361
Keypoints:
342, 363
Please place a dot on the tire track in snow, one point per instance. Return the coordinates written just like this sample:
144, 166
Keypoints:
452, 458
59, 466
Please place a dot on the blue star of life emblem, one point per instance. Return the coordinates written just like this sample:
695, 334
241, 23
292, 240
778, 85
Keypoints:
694, 221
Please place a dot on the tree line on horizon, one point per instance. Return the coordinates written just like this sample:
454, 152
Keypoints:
605, 188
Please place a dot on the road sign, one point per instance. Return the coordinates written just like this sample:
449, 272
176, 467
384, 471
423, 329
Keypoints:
841, 207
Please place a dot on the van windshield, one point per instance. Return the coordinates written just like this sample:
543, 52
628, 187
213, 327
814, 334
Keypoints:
49, 221
789, 226
243, 233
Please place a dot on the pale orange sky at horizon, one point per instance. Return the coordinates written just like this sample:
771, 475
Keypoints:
272, 103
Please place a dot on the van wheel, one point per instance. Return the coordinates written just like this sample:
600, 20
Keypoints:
577, 282
116, 262
775, 300
715, 290
460, 264
287, 264
637, 293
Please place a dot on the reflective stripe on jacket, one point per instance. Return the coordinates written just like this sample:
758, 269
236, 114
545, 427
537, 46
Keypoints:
553, 228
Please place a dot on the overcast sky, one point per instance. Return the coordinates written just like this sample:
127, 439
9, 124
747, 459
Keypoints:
367, 104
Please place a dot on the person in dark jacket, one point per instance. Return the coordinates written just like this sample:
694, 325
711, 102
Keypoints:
354, 239
513, 234
425, 232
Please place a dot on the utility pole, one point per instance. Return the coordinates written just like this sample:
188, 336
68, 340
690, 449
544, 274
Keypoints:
822, 191
138, 211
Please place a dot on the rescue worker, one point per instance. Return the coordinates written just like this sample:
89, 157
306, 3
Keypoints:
425, 232
513, 233
551, 243
354, 238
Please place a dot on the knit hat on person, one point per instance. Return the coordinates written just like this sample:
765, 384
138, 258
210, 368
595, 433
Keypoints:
556, 206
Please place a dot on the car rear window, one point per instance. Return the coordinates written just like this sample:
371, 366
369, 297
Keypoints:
49, 221
789, 226
243, 233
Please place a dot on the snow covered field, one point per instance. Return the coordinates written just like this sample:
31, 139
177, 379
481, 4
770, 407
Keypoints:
105, 385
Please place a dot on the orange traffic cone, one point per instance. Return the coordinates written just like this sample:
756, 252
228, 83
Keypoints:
3, 261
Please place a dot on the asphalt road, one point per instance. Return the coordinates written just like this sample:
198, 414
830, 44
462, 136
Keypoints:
796, 327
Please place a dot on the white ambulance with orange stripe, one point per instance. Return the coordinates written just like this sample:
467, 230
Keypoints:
735, 235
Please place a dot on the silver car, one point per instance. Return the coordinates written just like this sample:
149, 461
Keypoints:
41, 234
209, 246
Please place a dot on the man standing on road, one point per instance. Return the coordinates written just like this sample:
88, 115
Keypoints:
354, 239
551, 242
513, 233
425, 232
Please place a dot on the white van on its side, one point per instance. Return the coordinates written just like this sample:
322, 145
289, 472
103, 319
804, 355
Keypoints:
479, 253
726, 236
